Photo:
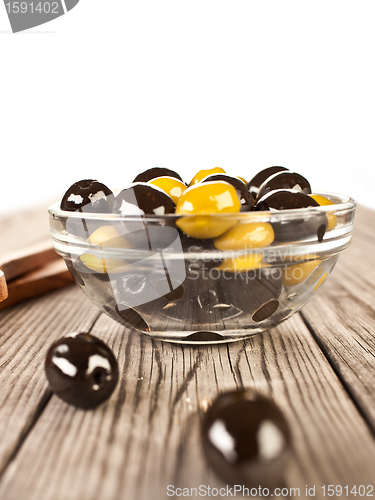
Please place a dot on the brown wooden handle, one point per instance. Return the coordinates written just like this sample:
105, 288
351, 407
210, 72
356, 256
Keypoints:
22, 261
3, 287
50, 277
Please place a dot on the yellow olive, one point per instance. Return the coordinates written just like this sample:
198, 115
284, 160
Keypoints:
100, 264
332, 219
170, 185
202, 200
246, 235
204, 173
320, 282
244, 262
298, 273
107, 236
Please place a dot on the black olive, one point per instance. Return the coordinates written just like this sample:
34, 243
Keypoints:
308, 225
246, 439
130, 318
81, 370
242, 191
152, 173
284, 180
88, 196
143, 199
204, 337
260, 177
284, 199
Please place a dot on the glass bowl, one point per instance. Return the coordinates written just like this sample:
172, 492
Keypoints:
145, 273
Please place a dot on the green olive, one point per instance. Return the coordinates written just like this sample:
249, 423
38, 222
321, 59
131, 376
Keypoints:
246, 235
204, 173
170, 185
298, 273
242, 263
202, 203
332, 219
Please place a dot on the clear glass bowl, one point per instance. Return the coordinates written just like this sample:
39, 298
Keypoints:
145, 273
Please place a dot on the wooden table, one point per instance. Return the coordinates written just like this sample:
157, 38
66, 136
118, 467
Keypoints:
319, 367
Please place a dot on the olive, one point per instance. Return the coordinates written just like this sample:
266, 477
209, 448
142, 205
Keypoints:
204, 337
295, 274
246, 235
102, 241
130, 318
153, 282
242, 262
320, 282
87, 196
309, 225
108, 236
81, 273
332, 219
258, 179
242, 179
102, 264
284, 180
242, 191
152, 173
246, 439
170, 185
284, 199
143, 199
202, 200
81, 370
204, 173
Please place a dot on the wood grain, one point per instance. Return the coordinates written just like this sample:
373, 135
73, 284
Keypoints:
147, 436
342, 315
27, 331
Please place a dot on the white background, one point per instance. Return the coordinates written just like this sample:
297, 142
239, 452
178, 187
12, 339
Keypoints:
115, 87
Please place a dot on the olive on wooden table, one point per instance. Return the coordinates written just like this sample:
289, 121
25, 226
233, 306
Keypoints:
81, 370
246, 439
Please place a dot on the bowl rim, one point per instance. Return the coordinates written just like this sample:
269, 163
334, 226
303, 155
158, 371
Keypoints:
347, 203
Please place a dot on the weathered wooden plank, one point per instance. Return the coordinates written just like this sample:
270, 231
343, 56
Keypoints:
342, 315
26, 332
146, 436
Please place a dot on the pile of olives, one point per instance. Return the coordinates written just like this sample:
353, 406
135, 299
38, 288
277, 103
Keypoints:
212, 192
237, 283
